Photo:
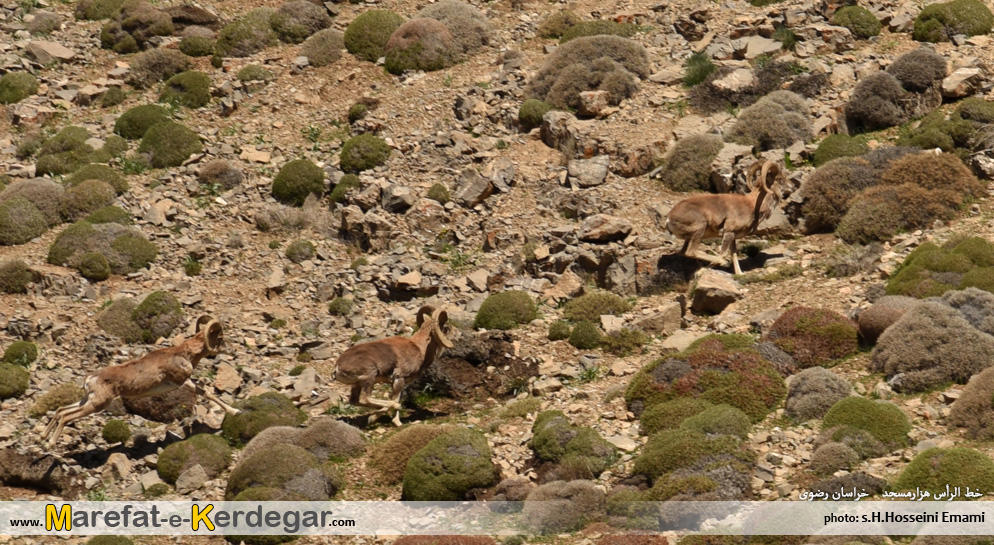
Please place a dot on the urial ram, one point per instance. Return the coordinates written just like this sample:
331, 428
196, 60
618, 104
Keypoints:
397, 360
155, 373
727, 216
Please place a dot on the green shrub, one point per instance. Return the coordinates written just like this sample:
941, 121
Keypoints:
109, 214
363, 152
169, 144
135, 253
295, 20
65, 152
830, 190
134, 26
506, 310
670, 414
13, 381
155, 65
590, 307
976, 109
831, 457
255, 72
596, 28
775, 121
86, 197
94, 267
367, 35
624, 341
57, 397
936, 468
247, 35
940, 21
22, 353
838, 145
521, 408
439, 193
884, 421
931, 271
323, 47
17, 86
15, 276
283, 472
449, 466
607, 63
688, 165
197, 46
858, 20
357, 111
113, 97
556, 24
209, 451
585, 336
342, 188
561, 507
670, 450
134, 123
390, 457
420, 44
20, 222
813, 392
300, 251
697, 68
191, 89
719, 420
340, 306
468, 25
559, 330
47, 196
104, 173
116, 431
531, 113
258, 413
95, 10
157, 315
296, 180
814, 337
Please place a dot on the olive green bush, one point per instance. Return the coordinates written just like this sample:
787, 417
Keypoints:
563, 506
255, 72
134, 26
14, 381
95, 10
191, 89
814, 337
125, 248
974, 410
211, 452
367, 35
671, 450
559, 330
104, 173
598, 27
246, 35
719, 420
390, 457
157, 315
420, 44
66, 152
169, 144
116, 431
116, 320
976, 109
197, 46
15, 276
585, 336
608, 63
506, 310
110, 214
556, 24
59, 396
283, 473
326, 438
343, 187
299, 251
16, 86
45, 195
22, 353
94, 267
323, 47
363, 152
296, 180
439, 193
531, 113
86, 197
688, 166
938, 22
936, 468
858, 20
134, 123
591, 306
20, 222
258, 413
449, 466
295, 20
838, 145
884, 421
832, 457
669, 415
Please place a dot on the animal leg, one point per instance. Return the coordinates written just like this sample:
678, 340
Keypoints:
201, 391
74, 413
56, 416
398, 389
728, 246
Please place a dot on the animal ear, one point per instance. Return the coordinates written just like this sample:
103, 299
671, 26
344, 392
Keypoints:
425, 310
205, 319
214, 336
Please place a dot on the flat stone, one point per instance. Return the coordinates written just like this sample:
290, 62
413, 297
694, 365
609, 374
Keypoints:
546, 386
411, 280
961, 83
253, 155
473, 189
478, 279
751, 47
227, 379
736, 80
623, 442
681, 339
46, 52
714, 291
589, 172
191, 479
604, 228
665, 320
611, 323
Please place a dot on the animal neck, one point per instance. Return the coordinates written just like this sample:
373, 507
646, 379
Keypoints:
423, 337
761, 206
194, 349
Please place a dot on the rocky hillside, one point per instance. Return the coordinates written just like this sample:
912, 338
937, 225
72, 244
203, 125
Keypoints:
312, 174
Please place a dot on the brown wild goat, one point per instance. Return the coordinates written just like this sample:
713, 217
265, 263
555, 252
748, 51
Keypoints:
397, 360
155, 373
728, 216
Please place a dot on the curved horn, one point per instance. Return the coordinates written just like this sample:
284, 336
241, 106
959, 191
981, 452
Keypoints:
205, 319
763, 175
776, 171
214, 336
441, 317
751, 174
427, 309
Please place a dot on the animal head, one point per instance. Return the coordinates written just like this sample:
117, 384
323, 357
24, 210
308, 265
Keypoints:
213, 334
766, 177
436, 320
